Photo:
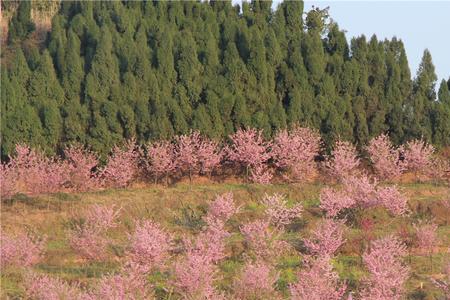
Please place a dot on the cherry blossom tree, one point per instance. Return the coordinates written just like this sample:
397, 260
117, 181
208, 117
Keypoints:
385, 158
317, 281
326, 238
209, 155
418, 156
221, 209
387, 273
261, 240
21, 250
161, 161
81, 163
149, 245
294, 151
44, 287
121, 167
194, 277
8, 180
426, 238
278, 211
334, 201
186, 153
343, 160
249, 149
256, 281
392, 199
88, 238
129, 283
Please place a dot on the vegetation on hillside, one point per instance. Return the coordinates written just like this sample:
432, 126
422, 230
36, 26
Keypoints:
109, 71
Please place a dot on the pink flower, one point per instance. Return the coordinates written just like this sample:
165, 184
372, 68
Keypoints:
391, 198
22, 250
278, 212
317, 281
326, 238
44, 287
334, 201
294, 151
221, 209
161, 158
426, 236
121, 167
262, 240
256, 281
194, 277
81, 163
343, 160
385, 158
149, 245
387, 274
418, 155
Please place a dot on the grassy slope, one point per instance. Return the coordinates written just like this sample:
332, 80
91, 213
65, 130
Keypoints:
179, 209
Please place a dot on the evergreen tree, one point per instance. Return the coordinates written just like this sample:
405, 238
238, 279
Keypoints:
21, 25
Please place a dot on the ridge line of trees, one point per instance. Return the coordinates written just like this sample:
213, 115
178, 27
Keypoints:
109, 71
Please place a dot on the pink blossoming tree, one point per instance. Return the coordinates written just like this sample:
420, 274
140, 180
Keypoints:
22, 250
44, 287
149, 245
161, 159
278, 212
418, 156
294, 151
426, 238
264, 242
81, 163
317, 281
256, 281
326, 239
343, 161
121, 167
249, 149
385, 158
387, 273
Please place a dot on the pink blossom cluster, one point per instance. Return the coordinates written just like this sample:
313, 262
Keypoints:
343, 160
89, 238
161, 160
249, 149
149, 245
221, 209
418, 156
121, 167
362, 191
194, 277
426, 236
326, 238
278, 212
81, 163
44, 287
256, 281
385, 158
317, 281
130, 283
21, 250
31, 172
387, 273
263, 241
294, 151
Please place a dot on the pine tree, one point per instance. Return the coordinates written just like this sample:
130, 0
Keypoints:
21, 25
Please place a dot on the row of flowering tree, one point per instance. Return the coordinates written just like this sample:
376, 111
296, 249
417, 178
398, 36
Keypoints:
291, 154
192, 263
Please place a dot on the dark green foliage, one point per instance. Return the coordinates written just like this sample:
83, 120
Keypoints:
110, 71
21, 25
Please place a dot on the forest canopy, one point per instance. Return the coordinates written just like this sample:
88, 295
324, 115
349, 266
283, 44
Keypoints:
109, 71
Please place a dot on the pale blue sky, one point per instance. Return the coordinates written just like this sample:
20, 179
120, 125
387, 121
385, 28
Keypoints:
419, 24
